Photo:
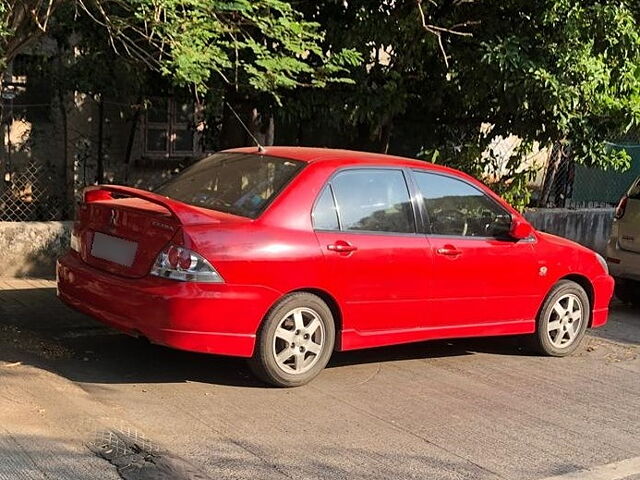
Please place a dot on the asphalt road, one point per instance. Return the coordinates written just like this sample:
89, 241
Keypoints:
79, 401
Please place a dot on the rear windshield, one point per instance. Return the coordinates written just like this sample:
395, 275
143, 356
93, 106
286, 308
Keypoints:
239, 183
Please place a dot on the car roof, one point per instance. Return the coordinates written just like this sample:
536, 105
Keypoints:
346, 157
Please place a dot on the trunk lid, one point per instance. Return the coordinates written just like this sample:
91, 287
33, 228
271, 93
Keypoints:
122, 230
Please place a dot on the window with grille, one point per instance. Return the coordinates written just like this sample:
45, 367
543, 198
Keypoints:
169, 128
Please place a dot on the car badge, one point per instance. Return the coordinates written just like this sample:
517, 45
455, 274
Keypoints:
543, 271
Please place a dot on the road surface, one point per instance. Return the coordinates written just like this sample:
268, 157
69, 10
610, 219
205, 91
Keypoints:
80, 401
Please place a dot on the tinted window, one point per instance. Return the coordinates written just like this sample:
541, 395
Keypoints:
325, 215
373, 200
238, 183
456, 208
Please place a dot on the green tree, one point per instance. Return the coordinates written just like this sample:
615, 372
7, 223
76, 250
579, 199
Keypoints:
247, 51
22, 22
444, 79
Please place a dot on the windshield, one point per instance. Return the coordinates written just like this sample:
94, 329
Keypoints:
239, 183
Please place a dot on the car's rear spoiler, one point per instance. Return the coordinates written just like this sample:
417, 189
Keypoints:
185, 214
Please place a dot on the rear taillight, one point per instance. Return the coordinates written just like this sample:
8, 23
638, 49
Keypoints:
621, 208
179, 263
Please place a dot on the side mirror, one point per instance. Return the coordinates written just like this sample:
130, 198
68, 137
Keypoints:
520, 229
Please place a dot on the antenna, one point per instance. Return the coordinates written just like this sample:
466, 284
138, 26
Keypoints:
260, 147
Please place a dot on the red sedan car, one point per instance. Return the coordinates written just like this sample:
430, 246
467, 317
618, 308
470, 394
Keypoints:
284, 255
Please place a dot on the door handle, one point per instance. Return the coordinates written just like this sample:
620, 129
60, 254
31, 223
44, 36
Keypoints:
449, 251
342, 247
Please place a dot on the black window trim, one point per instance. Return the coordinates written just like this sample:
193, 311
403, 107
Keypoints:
425, 214
411, 190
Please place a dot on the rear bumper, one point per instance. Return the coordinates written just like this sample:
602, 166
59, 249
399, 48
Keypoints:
603, 289
210, 318
622, 263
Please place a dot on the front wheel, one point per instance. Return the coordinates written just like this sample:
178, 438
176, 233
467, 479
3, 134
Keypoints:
562, 321
295, 341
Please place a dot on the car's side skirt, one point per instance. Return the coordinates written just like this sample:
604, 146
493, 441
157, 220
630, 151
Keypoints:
354, 339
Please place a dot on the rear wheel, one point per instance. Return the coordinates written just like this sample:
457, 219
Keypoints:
295, 342
562, 320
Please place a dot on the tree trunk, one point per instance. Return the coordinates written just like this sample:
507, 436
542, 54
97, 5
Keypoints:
69, 166
557, 155
132, 135
385, 136
100, 159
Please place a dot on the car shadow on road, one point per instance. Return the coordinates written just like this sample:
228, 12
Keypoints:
37, 329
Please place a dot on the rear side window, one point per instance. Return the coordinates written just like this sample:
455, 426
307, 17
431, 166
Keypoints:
456, 208
325, 214
239, 183
373, 200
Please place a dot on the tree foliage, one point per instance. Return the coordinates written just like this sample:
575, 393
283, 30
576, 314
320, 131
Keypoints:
22, 22
442, 79
561, 72
263, 46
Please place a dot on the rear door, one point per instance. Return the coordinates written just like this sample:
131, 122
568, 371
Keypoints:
479, 276
376, 263
629, 224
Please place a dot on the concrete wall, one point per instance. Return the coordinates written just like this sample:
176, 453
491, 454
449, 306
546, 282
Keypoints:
30, 249
589, 227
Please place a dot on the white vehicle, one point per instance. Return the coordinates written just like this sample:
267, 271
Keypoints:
623, 249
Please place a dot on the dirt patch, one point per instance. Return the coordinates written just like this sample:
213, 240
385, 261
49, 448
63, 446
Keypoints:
26, 341
609, 351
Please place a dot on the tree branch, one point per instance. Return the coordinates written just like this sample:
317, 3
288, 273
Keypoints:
439, 31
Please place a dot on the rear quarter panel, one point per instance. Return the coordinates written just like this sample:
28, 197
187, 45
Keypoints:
279, 250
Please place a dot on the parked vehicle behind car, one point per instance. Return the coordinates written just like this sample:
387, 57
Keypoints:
623, 248
284, 255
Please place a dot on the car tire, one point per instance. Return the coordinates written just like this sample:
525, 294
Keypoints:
562, 320
295, 341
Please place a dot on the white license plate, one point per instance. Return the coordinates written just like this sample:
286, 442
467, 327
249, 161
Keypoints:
114, 249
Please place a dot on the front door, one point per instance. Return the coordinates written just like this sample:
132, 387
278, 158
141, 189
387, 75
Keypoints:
480, 275
377, 263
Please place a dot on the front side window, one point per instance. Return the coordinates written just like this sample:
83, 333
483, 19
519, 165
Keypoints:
456, 208
373, 200
239, 183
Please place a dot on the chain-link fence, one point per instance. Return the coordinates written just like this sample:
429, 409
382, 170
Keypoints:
32, 170
569, 185
32, 193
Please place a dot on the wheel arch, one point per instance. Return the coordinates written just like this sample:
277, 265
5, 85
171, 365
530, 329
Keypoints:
585, 283
333, 305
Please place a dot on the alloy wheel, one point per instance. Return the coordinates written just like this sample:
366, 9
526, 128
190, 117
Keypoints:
298, 340
565, 320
